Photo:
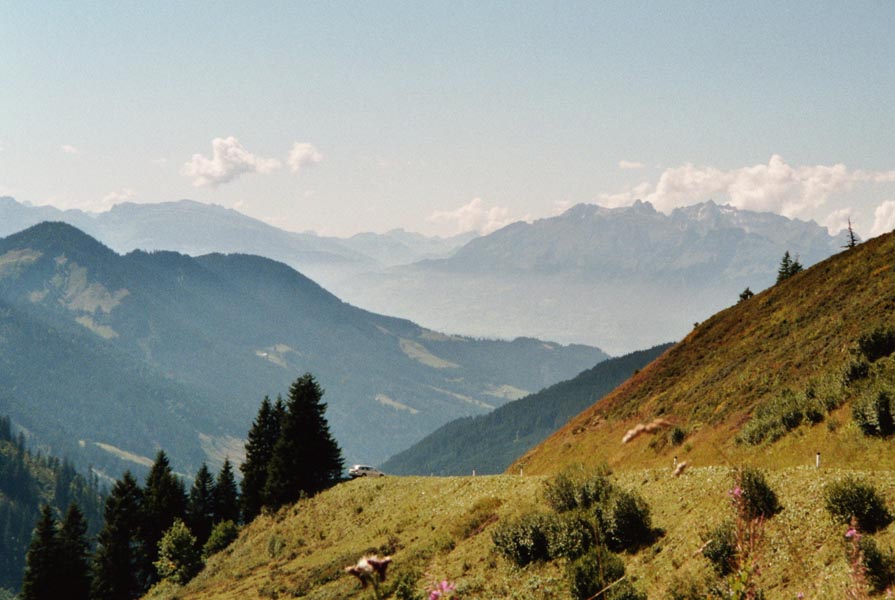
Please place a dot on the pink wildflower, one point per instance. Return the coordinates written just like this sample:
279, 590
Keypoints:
852, 532
441, 590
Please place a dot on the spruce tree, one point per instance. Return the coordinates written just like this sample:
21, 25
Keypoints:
306, 458
164, 500
200, 509
852, 238
117, 563
259, 449
783, 271
40, 581
226, 495
73, 567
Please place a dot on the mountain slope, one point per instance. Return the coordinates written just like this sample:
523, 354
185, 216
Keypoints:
190, 345
488, 444
622, 278
793, 342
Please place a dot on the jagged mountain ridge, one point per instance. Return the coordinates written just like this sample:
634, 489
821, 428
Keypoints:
211, 335
629, 277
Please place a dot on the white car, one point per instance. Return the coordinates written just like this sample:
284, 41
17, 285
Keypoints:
365, 471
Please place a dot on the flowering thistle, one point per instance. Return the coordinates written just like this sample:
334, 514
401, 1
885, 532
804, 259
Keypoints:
441, 590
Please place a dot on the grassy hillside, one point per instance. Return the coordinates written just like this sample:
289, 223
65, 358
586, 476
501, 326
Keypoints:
794, 342
436, 528
488, 444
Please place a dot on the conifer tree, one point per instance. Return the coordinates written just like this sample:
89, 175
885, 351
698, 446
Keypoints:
852, 238
200, 509
306, 458
40, 581
73, 568
164, 500
226, 495
117, 563
788, 267
259, 449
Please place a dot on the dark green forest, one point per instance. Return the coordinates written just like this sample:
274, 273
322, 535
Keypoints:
489, 443
29, 480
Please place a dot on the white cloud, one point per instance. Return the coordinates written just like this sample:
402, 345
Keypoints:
229, 160
837, 220
774, 187
117, 197
883, 218
474, 216
630, 164
68, 149
303, 155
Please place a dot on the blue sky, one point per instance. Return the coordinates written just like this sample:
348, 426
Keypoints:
439, 117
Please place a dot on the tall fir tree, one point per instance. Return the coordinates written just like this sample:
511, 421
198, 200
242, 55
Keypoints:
200, 509
226, 495
40, 581
306, 459
164, 500
73, 568
788, 267
259, 450
118, 565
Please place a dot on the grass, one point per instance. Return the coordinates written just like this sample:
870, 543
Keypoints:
440, 528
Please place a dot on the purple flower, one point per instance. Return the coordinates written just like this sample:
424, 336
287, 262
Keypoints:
852, 532
441, 590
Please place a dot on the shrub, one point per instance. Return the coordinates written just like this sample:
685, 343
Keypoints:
178, 557
857, 370
872, 412
758, 498
574, 489
878, 343
850, 498
592, 572
879, 565
570, 536
222, 535
686, 588
720, 548
676, 436
525, 540
781, 414
626, 522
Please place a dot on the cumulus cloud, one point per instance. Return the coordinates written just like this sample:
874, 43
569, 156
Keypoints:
837, 220
68, 149
474, 216
773, 187
229, 160
630, 164
883, 218
303, 155
118, 196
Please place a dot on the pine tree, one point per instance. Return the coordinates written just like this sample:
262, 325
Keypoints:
40, 581
306, 459
200, 509
117, 562
788, 267
259, 449
164, 500
852, 238
73, 567
226, 495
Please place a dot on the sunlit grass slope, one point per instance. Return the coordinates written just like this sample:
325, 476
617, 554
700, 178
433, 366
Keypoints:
798, 336
437, 528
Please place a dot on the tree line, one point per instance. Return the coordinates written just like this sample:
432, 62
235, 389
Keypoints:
161, 531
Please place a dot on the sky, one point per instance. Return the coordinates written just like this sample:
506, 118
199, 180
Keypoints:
442, 117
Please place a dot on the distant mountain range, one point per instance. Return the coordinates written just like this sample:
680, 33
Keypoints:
621, 279
488, 444
107, 357
629, 277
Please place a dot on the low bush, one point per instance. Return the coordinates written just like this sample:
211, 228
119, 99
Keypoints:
759, 500
625, 522
571, 535
782, 414
676, 436
878, 343
719, 547
223, 534
872, 413
574, 488
850, 498
596, 570
526, 539
879, 565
